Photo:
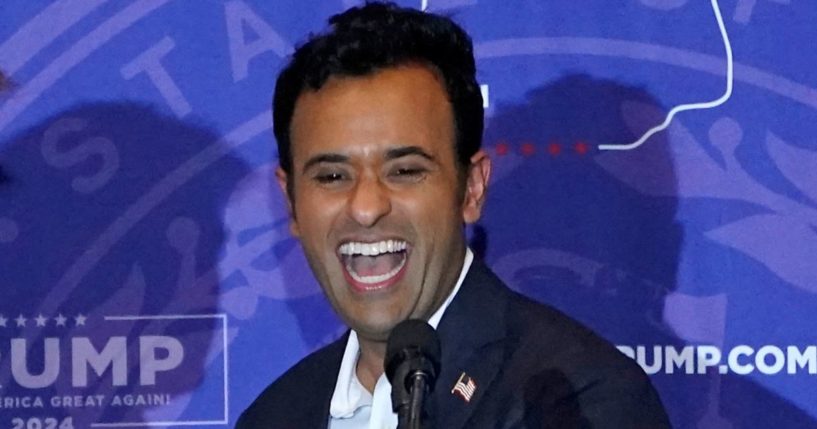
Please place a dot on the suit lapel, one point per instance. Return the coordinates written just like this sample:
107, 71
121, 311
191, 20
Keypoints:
315, 411
473, 337
474, 341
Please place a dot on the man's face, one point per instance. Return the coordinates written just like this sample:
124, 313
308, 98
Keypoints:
376, 196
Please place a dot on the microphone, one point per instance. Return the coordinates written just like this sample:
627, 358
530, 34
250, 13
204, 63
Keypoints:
412, 364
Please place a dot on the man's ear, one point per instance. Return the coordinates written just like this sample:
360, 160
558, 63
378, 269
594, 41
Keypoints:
476, 186
282, 178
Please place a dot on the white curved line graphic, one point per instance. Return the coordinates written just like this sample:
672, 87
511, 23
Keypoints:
692, 106
640, 51
41, 30
28, 93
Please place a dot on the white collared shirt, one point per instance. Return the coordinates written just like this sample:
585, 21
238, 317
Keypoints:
352, 406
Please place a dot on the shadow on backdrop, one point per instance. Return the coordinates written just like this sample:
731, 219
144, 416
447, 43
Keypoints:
106, 210
561, 228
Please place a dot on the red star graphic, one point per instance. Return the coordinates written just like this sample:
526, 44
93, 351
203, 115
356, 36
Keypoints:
581, 147
554, 148
501, 148
528, 149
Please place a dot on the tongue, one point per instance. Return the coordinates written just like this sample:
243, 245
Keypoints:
366, 266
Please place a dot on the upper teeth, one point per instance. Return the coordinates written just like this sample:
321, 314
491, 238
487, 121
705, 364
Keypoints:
372, 249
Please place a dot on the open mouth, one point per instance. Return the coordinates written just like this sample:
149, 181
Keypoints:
375, 265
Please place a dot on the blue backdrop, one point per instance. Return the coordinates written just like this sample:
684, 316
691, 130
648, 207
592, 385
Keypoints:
147, 277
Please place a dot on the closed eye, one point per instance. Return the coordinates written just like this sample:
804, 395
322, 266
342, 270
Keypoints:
408, 174
409, 171
329, 178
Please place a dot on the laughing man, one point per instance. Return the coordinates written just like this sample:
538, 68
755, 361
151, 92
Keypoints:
378, 123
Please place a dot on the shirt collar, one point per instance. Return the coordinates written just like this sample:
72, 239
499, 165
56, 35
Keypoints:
349, 393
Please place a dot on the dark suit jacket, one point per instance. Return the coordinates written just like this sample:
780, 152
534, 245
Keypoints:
533, 366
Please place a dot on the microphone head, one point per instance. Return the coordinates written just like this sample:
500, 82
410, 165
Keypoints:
413, 342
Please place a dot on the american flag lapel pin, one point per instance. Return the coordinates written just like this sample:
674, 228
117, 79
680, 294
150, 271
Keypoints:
465, 387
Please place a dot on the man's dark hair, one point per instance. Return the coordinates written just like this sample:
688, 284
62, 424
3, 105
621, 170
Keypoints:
364, 40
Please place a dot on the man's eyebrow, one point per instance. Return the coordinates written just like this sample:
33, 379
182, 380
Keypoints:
325, 157
400, 152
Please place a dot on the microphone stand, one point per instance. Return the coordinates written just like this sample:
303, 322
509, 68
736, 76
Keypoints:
408, 397
411, 364
409, 414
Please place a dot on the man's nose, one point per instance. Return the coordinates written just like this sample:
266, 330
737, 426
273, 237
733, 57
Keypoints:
369, 201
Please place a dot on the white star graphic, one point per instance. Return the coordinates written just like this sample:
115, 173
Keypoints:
60, 319
3, 320
41, 320
21, 321
80, 320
